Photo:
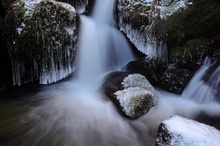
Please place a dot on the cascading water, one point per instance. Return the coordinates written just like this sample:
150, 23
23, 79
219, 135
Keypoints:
62, 114
101, 46
202, 91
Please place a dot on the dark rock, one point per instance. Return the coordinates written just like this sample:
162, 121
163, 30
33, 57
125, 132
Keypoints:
132, 94
173, 77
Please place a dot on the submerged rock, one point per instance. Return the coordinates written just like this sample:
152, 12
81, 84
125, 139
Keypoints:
41, 36
181, 131
132, 93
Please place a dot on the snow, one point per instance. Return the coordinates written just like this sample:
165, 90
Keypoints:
167, 9
137, 97
188, 132
131, 98
137, 80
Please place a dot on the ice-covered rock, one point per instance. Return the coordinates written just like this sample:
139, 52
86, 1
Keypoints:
41, 36
179, 131
132, 93
137, 19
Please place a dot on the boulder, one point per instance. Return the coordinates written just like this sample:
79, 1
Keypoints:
132, 93
172, 77
42, 37
179, 131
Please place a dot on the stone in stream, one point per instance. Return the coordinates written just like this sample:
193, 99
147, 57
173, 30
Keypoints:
132, 93
179, 131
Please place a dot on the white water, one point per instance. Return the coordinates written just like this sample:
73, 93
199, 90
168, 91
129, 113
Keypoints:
201, 91
102, 47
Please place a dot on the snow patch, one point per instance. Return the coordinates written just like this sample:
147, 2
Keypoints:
188, 132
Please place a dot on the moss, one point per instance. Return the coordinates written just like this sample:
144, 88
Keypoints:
199, 20
136, 15
194, 51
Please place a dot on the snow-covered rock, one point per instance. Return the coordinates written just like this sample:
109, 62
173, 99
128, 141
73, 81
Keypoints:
137, 97
179, 131
131, 93
41, 36
137, 19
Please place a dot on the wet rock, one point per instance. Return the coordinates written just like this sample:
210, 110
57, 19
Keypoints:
172, 77
41, 36
181, 131
132, 93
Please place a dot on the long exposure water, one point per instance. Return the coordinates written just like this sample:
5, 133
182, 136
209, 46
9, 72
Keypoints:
74, 113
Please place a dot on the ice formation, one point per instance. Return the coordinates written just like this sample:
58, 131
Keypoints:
44, 44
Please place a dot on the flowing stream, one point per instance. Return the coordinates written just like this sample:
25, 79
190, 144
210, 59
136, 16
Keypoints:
74, 113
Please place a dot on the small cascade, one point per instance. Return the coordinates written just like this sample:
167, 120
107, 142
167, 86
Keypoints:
101, 46
201, 90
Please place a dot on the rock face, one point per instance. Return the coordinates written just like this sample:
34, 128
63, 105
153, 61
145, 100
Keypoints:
137, 21
179, 131
5, 72
172, 77
41, 36
133, 93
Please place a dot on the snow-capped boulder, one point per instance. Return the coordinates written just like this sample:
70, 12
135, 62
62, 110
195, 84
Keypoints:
132, 93
41, 36
179, 131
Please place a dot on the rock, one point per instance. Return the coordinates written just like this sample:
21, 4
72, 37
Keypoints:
175, 78
80, 5
181, 131
4, 4
192, 31
113, 82
41, 36
172, 77
5, 63
132, 93
152, 69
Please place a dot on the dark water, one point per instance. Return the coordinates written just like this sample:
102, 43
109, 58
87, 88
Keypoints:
60, 115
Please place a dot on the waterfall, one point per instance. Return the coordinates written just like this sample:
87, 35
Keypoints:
201, 90
102, 47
